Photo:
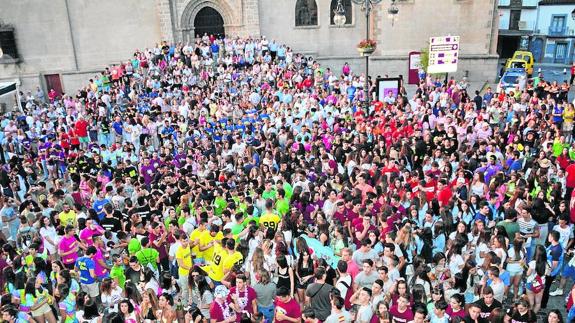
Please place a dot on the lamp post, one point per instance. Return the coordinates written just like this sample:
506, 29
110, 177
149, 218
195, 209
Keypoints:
366, 7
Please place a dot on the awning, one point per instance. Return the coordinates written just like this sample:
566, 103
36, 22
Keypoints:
7, 87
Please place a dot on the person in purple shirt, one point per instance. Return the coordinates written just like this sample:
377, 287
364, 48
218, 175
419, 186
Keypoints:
490, 170
147, 171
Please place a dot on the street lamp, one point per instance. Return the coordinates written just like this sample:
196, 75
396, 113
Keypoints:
392, 11
339, 14
366, 6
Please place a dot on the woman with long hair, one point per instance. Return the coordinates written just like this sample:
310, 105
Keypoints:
304, 272
166, 312
90, 313
381, 314
536, 277
523, 313
515, 264
126, 308
285, 275
37, 301
66, 303
149, 305
206, 297
110, 293
266, 291
257, 264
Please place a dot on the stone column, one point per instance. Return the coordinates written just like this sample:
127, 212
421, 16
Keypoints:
165, 18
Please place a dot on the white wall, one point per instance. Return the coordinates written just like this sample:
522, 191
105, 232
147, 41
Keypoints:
546, 13
504, 2
530, 3
530, 17
504, 16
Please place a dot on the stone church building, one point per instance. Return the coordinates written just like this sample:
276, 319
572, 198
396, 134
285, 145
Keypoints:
63, 43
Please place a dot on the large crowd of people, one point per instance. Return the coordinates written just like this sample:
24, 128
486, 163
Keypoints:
233, 180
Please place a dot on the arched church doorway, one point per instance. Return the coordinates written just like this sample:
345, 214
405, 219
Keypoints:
209, 21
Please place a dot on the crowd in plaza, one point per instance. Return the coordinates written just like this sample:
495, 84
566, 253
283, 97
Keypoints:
233, 180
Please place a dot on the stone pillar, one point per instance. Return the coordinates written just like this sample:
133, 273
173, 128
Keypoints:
165, 18
251, 18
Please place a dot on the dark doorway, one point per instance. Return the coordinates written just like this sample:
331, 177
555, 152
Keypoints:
53, 81
507, 45
209, 21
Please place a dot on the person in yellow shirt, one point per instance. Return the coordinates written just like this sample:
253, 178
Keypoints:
184, 259
269, 219
195, 241
215, 269
208, 241
67, 216
233, 257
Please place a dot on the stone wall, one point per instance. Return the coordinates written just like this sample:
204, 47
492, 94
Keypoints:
98, 33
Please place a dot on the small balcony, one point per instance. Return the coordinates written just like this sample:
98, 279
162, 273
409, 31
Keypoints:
557, 31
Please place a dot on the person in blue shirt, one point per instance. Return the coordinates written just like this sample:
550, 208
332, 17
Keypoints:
118, 127
555, 257
100, 203
484, 213
86, 267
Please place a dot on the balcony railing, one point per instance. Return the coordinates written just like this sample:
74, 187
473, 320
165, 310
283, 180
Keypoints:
557, 31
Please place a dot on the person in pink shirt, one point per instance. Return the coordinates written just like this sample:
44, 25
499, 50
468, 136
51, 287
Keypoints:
91, 229
352, 267
68, 247
287, 308
101, 269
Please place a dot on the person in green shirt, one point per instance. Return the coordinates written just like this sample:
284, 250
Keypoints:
510, 224
220, 203
269, 192
251, 215
148, 255
117, 271
134, 246
288, 189
282, 203
239, 226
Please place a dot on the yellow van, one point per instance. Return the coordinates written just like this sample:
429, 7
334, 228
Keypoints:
521, 59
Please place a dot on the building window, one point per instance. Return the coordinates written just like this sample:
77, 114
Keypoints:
8, 44
560, 51
557, 24
306, 13
515, 17
346, 6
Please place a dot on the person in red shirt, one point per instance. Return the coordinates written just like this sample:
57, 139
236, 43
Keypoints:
64, 140
287, 308
74, 140
81, 128
444, 193
570, 181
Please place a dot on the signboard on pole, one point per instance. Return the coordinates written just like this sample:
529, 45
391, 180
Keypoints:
414, 66
443, 54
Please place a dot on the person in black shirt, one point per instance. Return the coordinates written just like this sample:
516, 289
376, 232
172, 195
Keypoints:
478, 100
522, 313
487, 303
110, 222
142, 209
133, 272
474, 314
